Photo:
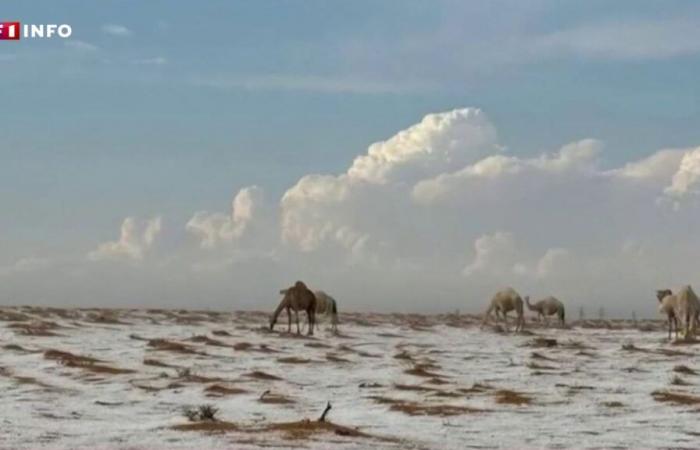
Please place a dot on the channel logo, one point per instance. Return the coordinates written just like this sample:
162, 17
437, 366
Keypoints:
9, 31
13, 31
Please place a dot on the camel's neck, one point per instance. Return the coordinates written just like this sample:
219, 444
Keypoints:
280, 307
530, 306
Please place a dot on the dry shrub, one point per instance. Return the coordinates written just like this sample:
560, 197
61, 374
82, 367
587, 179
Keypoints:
203, 413
370, 385
506, 396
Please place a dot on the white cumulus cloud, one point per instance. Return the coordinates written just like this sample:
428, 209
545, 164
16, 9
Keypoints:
136, 237
214, 228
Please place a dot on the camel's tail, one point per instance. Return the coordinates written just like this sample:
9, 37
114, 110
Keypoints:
334, 312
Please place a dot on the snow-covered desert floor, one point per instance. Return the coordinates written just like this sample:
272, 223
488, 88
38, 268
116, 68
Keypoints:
81, 378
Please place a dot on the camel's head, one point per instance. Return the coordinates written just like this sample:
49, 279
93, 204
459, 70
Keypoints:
284, 291
662, 293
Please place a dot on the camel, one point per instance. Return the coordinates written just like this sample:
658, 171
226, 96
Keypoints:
666, 306
325, 304
297, 297
682, 307
504, 301
547, 307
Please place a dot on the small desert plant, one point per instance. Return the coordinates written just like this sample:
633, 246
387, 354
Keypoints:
202, 413
184, 372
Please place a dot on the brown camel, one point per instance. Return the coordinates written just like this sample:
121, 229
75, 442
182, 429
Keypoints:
297, 297
503, 302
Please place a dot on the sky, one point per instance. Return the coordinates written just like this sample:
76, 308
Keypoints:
403, 156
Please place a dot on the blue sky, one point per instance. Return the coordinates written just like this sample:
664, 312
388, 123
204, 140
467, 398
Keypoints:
171, 107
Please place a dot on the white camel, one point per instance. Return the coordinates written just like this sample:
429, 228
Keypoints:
327, 305
547, 307
681, 308
505, 301
667, 305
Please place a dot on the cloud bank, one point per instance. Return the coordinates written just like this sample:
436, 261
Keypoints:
434, 218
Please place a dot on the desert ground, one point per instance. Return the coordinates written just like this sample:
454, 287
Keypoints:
97, 378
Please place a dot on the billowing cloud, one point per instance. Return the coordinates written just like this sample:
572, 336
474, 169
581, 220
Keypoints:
686, 180
135, 239
213, 229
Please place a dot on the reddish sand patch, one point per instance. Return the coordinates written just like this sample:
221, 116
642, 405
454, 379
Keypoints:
171, 346
506, 396
421, 370
274, 399
84, 362
677, 398
220, 390
35, 328
293, 360
260, 375
420, 409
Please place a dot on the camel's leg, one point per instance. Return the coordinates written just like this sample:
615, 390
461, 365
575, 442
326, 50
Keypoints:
505, 320
296, 316
675, 325
312, 321
669, 328
289, 320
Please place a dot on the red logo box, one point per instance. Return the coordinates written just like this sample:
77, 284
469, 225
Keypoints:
9, 31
